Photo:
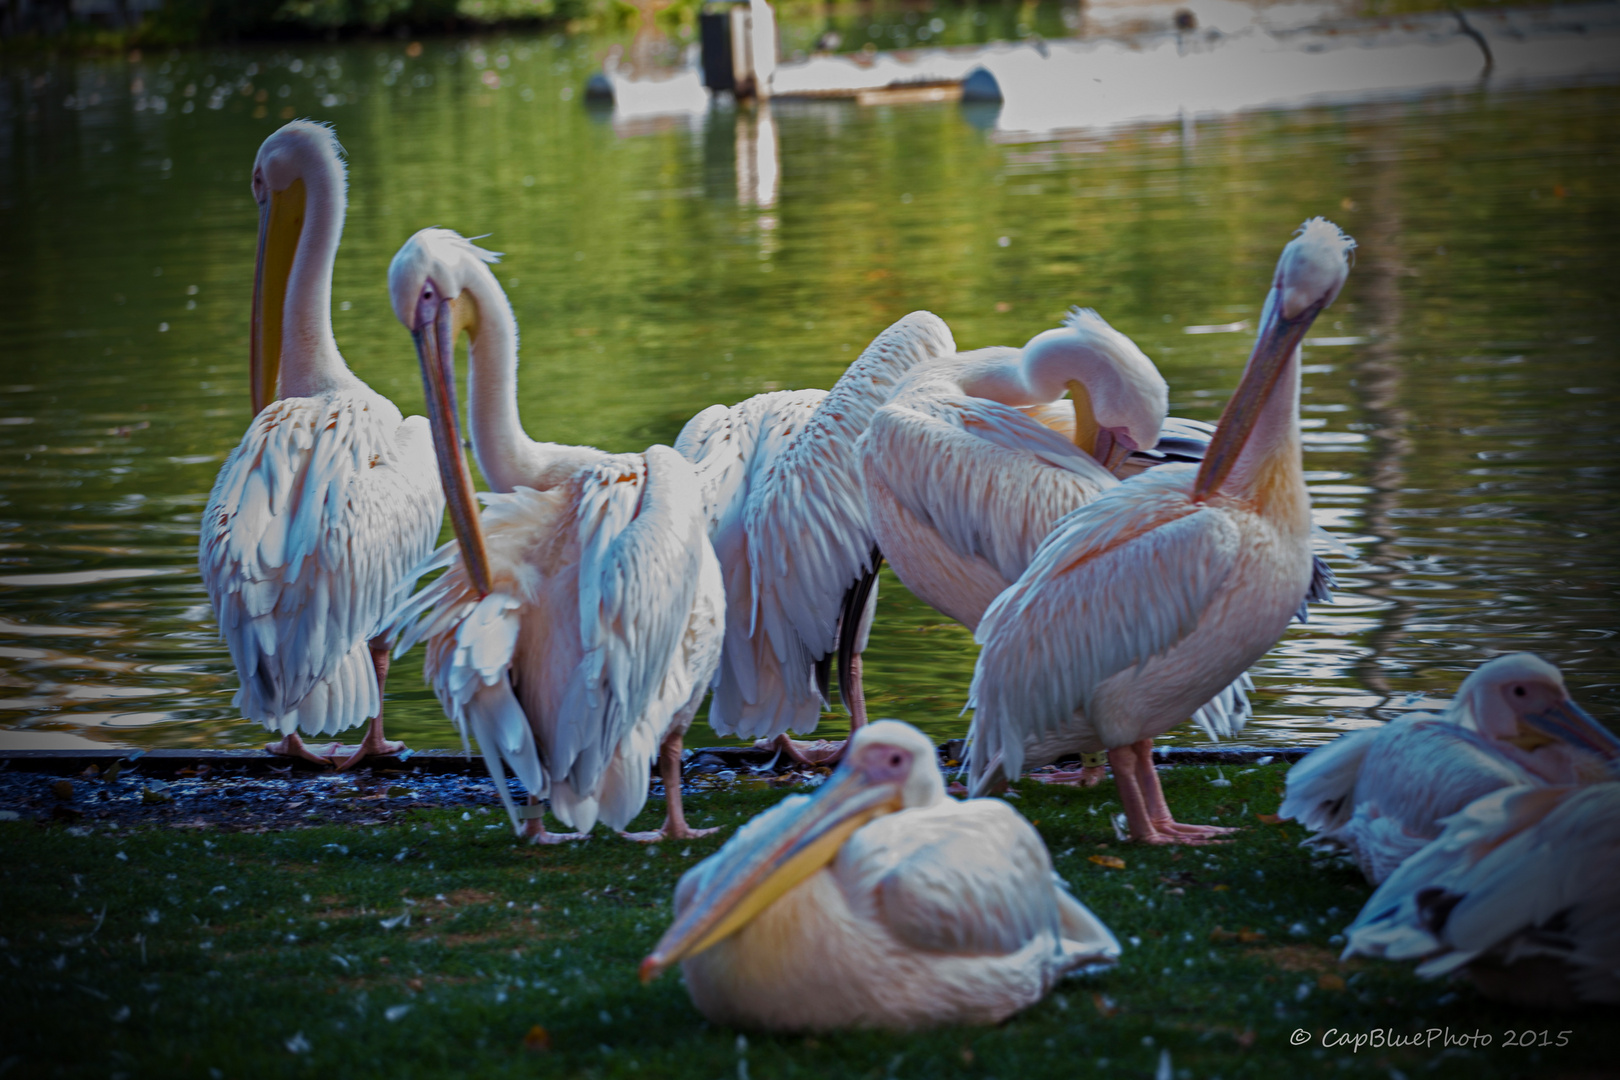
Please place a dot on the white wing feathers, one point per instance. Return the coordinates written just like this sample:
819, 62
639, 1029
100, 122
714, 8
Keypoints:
733, 450
808, 535
967, 878
962, 466
320, 513
1523, 873
1076, 617
1322, 785
641, 537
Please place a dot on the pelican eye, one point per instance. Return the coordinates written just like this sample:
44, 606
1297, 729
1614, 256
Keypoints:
1518, 691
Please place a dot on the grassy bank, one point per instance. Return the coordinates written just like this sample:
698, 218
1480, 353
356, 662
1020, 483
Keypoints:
437, 946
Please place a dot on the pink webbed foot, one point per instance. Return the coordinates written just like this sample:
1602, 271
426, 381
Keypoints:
806, 754
684, 832
293, 746
370, 747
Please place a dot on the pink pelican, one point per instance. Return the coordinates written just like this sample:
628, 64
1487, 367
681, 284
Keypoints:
1519, 893
580, 620
330, 499
782, 494
974, 459
1140, 606
878, 902
1383, 792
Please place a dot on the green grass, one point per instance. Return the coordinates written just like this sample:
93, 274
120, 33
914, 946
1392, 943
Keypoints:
179, 953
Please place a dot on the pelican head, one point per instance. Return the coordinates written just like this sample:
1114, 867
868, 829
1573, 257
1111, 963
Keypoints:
889, 766
1520, 698
1120, 399
428, 283
300, 156
1310, 272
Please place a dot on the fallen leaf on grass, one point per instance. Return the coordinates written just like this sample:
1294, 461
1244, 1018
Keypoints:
1105, 1005
538, 1040
1269, 819
1330, 982
1113, 862
1244, 936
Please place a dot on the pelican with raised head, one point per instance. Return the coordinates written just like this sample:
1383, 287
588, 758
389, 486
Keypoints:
782, 493
1142, 605
580, 619
330, 499
1383, 792
974, 459
879, 902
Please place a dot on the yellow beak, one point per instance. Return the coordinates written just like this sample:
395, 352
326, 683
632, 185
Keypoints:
769, 856
281, 225
435, 336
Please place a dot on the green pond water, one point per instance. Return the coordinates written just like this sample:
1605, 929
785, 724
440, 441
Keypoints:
1459, 405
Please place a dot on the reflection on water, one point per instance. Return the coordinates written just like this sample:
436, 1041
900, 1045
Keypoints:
1459, 401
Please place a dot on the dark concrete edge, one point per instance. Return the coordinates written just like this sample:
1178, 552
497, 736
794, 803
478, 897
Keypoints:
172, 762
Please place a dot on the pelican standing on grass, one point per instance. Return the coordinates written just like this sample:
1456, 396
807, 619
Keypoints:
782, 494
1520, 893
1139, 607
1383, 792
330, 499
580, 619
879, 902
969, 465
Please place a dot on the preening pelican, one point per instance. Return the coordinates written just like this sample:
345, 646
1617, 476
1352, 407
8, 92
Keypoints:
879, 902
1382, 792
782, 494
330, 499
966, 470
1520, 893
580, 620
1140, 606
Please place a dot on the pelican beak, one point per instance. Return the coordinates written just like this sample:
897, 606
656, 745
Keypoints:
770, 856
1113, 447
438, 323
1276, 345
1568, 722
1086, 428
281, 225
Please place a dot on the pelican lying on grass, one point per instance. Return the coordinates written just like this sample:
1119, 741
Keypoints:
1383, 792
1520, 892
580, 620
782, 493
881, 902
1139, 607
330, 499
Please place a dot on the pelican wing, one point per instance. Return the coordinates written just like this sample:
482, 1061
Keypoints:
987, 478
318, 516
734, 448
1523, 873
1078, 615
966, 877
641, 537
807, 535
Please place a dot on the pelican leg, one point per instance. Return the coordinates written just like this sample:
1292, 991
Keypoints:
292, 745
1158, 810
826, 753
374, 744
675, 826
534, 825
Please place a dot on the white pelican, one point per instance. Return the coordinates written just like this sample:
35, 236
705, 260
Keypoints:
330, 499
782, 493
878, 902
1519, 893
1382, 792
974, 459
1143, 604
580, 620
